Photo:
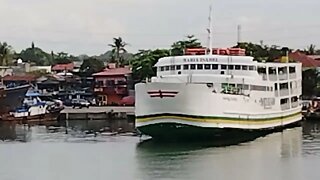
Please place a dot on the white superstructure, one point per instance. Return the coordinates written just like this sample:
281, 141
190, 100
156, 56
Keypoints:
220, 91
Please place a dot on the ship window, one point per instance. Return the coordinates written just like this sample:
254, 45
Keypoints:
222, 72
282, 70
186, 67
167, 68
275, 86
294, 99
172, 67
292, 69
243, 86
284, 86
161, 68
258, 88
244, 67
207, 66
192, 66
230, 67
272, 70
269, 88
284, 101
199, 66
214, 66
223, 66
252, 68
178, 67
237, 67
262, 70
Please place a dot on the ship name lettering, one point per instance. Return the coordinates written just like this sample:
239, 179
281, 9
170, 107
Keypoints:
200, 60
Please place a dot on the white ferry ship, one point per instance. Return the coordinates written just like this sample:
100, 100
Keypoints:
214, 95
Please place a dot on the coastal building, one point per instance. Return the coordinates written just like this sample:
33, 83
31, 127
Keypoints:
17, 80
63, 68
111, 84
307, 62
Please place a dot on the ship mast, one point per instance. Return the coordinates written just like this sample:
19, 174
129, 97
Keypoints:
210, 31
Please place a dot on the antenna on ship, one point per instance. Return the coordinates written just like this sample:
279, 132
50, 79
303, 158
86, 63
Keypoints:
210, 31
239, 33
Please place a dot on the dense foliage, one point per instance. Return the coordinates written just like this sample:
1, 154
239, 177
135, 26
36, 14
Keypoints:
143, 62
90, 66
6, 54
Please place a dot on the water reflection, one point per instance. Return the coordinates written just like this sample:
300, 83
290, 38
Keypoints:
200, 161
13, 132
290, 154
311, 136
78, 131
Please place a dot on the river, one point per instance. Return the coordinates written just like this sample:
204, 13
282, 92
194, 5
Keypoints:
39, 154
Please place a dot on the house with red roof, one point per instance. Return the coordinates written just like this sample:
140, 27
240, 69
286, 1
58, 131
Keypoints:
307, 61
59, 68
15, 80
111, 84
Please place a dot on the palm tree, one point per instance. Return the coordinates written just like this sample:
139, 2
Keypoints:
5, 54
118, 48
311, 49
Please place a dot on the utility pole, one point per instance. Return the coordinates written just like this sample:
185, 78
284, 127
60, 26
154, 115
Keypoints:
239, 34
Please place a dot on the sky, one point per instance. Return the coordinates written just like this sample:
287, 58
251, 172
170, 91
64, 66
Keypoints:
88, 26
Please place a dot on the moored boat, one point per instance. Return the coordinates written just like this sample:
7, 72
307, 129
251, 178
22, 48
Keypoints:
34, 110
11, 98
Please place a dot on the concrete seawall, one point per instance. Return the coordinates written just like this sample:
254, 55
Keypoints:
96, 113
115, 117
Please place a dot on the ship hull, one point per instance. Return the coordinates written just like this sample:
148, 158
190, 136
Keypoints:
40, 119
193, 111
12, 98
178, 132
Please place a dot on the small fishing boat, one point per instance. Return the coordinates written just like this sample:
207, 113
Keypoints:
34, 110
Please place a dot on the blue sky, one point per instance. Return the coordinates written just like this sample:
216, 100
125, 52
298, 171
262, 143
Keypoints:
88, 26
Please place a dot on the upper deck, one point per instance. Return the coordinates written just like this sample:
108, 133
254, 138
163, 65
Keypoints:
225, 63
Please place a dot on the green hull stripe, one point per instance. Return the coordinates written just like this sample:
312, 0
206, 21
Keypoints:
206, 119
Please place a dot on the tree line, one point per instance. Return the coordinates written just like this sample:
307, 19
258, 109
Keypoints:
142, 62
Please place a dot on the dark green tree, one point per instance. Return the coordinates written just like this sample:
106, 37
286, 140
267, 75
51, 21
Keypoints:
36, 56
62, 58
179, 47
6, 54
311, 50
90, 66
144, 61
309, 82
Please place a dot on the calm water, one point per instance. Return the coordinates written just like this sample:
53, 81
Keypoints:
41, 155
